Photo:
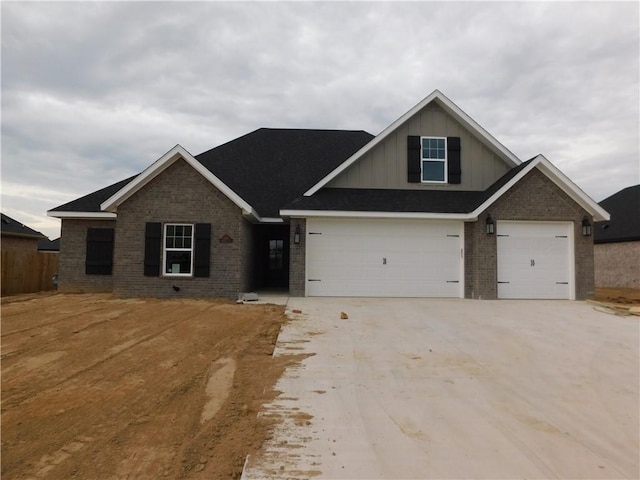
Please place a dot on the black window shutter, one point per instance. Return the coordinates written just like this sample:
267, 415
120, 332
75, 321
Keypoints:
454, 170
99, 258
152, 249
414, 155
203, 249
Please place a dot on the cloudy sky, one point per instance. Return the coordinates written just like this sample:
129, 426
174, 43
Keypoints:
95, 92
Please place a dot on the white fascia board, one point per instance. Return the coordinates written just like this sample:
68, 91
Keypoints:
450, 107
557, 177
253, 217
82, 215
270, 220
576, 193
354, 214
157, 167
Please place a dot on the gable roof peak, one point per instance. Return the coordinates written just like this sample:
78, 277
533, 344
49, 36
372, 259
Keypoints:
451, 109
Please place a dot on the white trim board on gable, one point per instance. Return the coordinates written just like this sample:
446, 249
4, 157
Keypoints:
556, 176
160, 165
449, 107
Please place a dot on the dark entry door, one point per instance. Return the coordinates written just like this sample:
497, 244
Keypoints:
277, 271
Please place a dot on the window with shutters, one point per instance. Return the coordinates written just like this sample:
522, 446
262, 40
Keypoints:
178, 249
433, 160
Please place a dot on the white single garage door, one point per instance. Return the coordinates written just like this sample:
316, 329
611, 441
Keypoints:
535, 260
384, 258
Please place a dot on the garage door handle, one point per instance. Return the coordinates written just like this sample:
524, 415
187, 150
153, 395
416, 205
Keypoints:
562, 283
533, 263
384, 261
504, 282
314, 280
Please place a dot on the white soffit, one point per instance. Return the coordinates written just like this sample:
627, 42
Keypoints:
449, 107
82, 215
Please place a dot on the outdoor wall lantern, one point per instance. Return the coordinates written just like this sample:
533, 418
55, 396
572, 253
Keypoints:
586, 227
296, 235
491, 227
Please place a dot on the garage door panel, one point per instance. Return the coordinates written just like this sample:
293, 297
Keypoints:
384, 258
534, 260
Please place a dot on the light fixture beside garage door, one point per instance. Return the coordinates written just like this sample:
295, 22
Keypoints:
490, 226
586, 227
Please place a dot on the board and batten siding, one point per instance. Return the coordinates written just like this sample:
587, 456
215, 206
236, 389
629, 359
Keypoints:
385, 166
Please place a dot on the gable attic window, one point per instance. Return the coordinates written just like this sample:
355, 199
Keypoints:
178, 249
434, 160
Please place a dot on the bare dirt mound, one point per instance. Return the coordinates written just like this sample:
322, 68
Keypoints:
102, 388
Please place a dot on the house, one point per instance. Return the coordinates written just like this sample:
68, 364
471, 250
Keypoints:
617, 241
49, 246
433, 206
18, 237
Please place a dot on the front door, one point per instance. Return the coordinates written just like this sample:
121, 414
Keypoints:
276, 247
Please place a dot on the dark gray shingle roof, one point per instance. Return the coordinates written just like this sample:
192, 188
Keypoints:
624, 226
385, 200
15, 228
46, 245
267, 167
92, 201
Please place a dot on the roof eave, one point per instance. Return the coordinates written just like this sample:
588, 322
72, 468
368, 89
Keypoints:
31, 236
82, 215
375, 214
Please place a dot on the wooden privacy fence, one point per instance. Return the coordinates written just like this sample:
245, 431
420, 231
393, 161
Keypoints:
27, 272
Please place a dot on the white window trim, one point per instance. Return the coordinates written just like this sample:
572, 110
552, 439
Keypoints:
445, 161
164, 249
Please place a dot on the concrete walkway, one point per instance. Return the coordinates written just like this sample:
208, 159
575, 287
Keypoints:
437, 388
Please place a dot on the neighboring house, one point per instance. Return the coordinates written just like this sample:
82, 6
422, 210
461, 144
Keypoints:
617, 241
434, 206
18, 237
49, 246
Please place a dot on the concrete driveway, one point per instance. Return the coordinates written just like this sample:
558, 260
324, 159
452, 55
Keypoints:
437, 388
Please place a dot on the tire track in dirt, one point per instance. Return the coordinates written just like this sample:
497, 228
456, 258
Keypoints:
63, 317
138, 413
26, 397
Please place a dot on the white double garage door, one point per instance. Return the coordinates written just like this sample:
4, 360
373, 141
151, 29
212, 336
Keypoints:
425, 258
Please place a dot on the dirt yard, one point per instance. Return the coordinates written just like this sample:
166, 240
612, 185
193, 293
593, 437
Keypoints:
623, 296
103, 388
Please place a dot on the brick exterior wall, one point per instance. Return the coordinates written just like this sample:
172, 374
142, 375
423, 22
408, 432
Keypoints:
73, 252
20, 244
247, 280
180, 195
617, 264
534, 198
297, 254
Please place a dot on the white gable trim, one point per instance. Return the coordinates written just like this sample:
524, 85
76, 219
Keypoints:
160, 165
560, 179
451, 108
82, 215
